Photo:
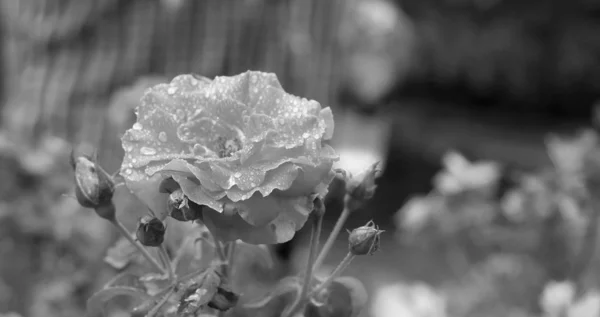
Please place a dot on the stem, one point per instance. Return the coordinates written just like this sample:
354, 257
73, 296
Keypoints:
332, 237
338, 270
228, 264
160, 304
306, 285
163, 251
230, 257
219, 250
140, 247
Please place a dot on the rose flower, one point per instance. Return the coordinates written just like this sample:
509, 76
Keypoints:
241, 149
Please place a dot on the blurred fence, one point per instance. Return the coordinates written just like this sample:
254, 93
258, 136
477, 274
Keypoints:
66, 58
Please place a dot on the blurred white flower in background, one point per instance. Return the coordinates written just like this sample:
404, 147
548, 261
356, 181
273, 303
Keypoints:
408, 300
558, 300
556, 297
417, 212
461, 175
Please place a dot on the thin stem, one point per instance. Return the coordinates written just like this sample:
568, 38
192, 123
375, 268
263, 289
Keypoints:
338, 270
163, 251
219, 250
140, 247
180, 252
332, 237
160, 303
230, 257
306, 285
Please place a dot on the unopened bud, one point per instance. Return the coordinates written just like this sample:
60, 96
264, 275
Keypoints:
94, 187
361, 188
151, 231
364, 240
224, 299
319, 206
179, 207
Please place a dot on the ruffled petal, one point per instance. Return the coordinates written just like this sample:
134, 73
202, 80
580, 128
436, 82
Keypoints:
280, 178
292, 215
195, 193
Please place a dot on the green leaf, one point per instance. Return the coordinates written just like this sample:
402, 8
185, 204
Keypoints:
95, 304
286, 285
345, 297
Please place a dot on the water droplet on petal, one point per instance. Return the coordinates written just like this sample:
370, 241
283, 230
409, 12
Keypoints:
137, 126
162, 136
305, 135
237, 174
172, 90
128, 171
147, 151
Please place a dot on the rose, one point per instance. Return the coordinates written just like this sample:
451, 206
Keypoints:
240, 146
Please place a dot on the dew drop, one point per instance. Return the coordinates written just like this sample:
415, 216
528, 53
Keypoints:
162, 136
137, 126
281, 121
147, 151
237, 174
172, 90
305, 135
128, 171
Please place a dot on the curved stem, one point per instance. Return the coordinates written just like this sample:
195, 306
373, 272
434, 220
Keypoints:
306, 285
338, 270
140, 247
163, 251
332, 237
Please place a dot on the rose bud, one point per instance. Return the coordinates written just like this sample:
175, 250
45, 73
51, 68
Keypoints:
319, 206
364, 240
94, 187
179, 207
150, 231
224, 299
361, 188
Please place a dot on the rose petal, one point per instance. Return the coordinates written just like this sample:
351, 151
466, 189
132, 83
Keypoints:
183, 168
280, 178
146, 189
258, 126
291, 218
195, 193
294, 131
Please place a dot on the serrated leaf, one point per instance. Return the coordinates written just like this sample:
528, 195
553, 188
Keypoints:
121, 254
95, 304
286, 285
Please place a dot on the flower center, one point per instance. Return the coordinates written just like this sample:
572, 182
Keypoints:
226, 147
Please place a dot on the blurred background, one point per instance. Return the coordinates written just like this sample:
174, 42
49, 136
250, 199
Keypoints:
408, 81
